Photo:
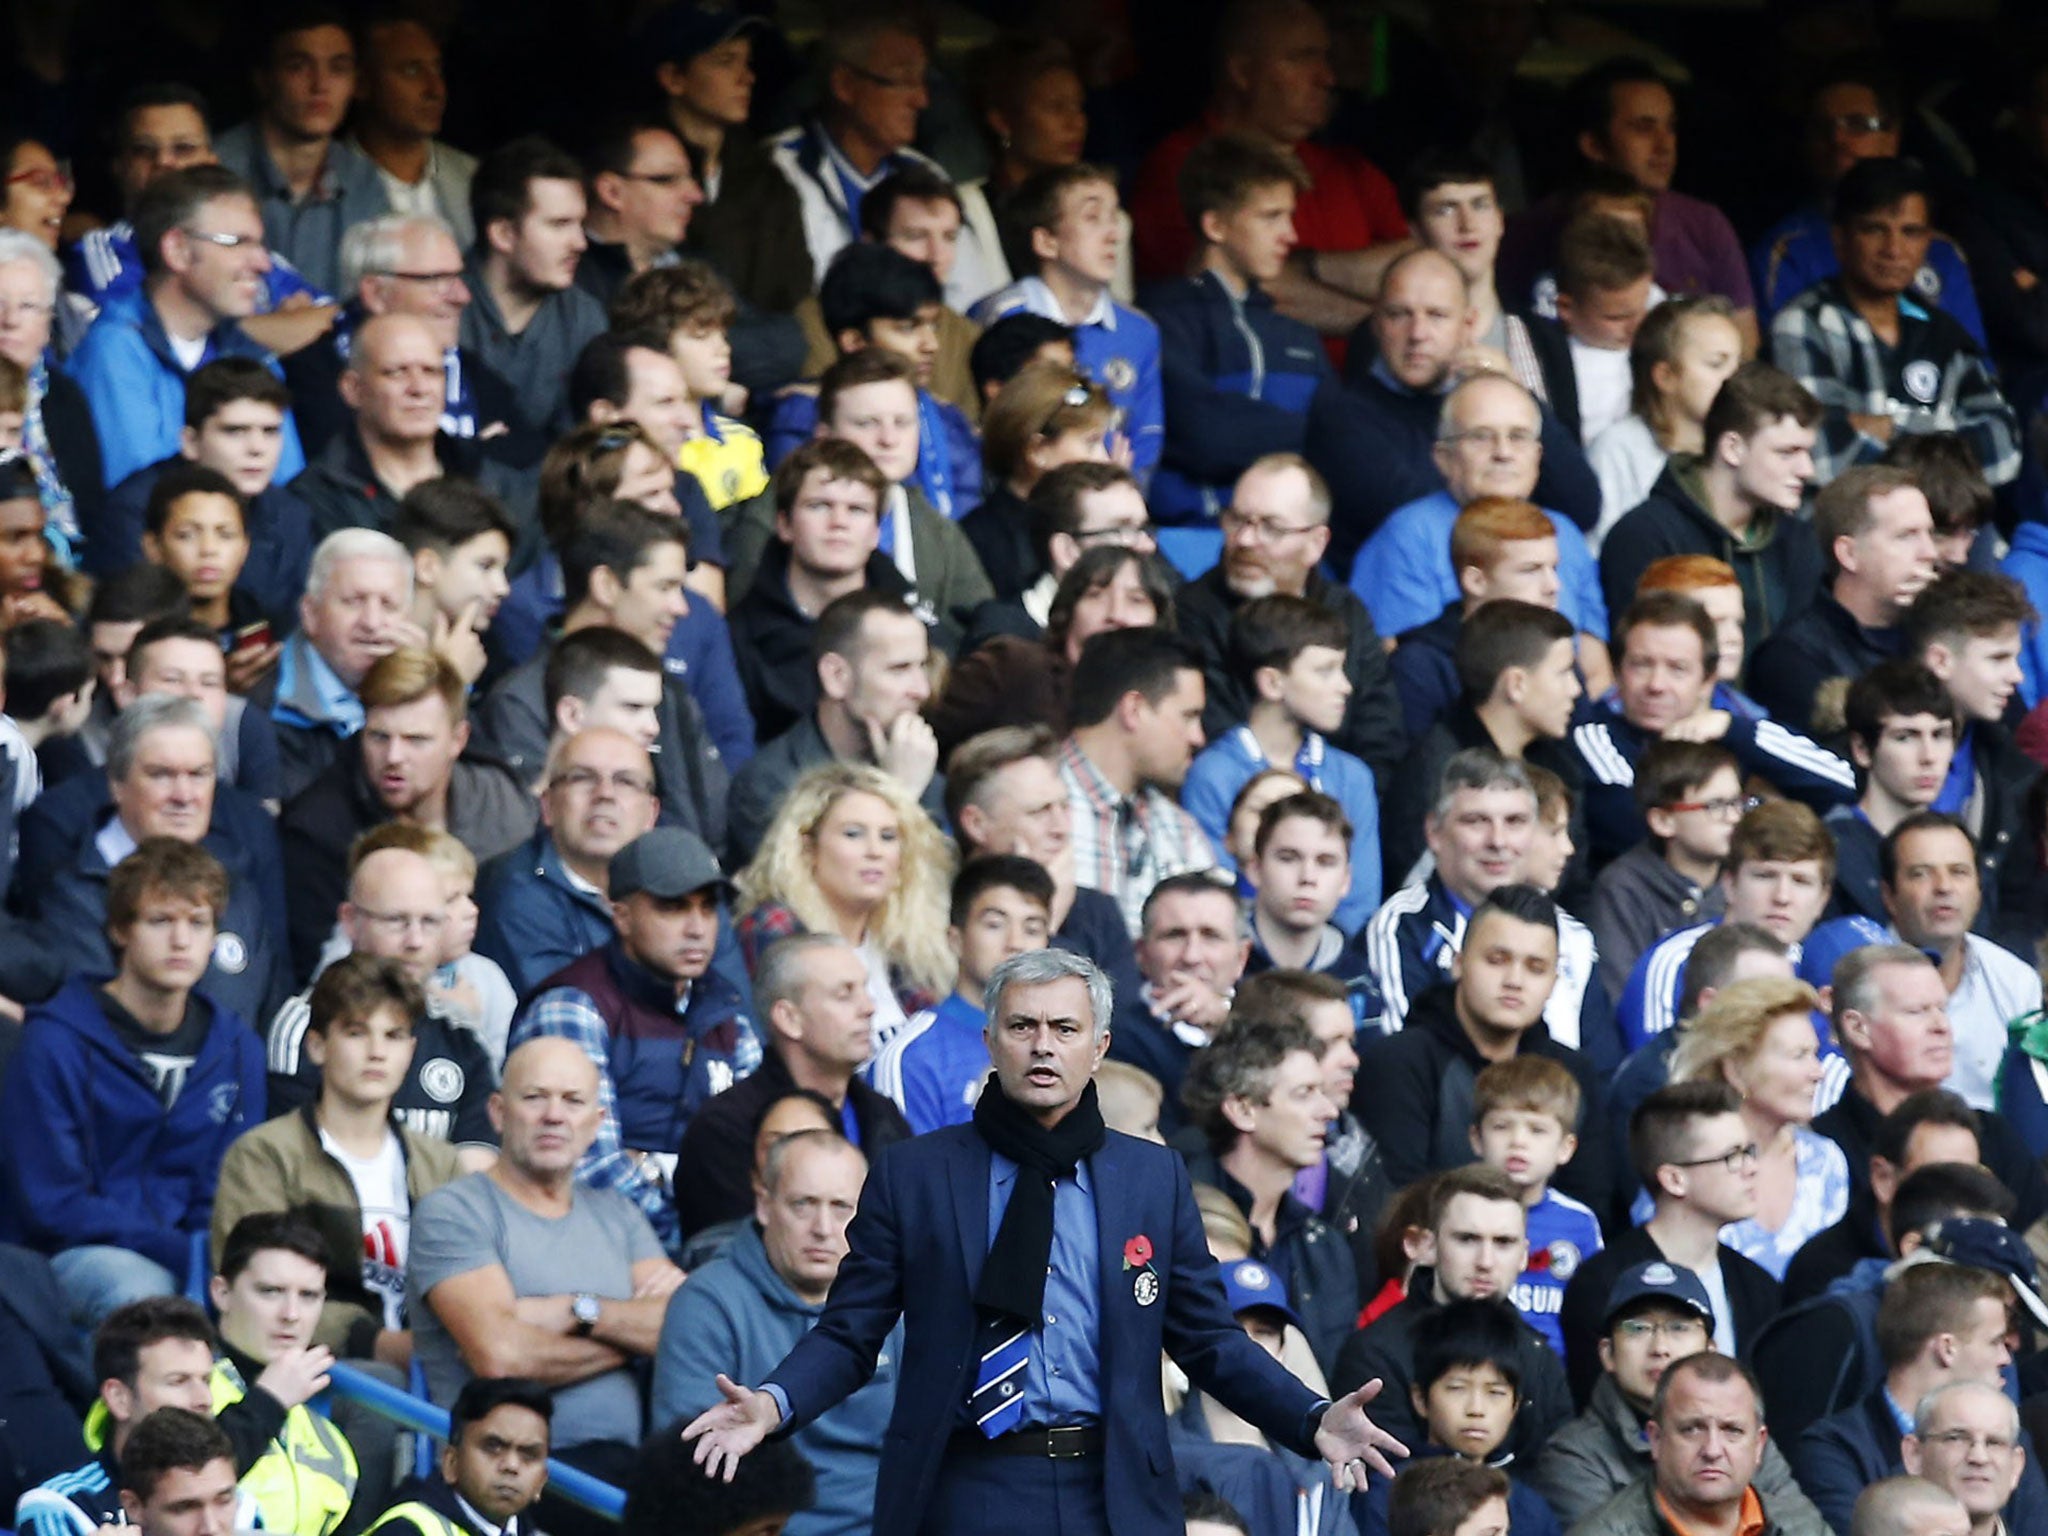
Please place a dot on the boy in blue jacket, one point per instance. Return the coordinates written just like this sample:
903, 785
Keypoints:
1237, 375
125, 1093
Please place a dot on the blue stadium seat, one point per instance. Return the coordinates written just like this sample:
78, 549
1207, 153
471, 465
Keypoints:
1191, 551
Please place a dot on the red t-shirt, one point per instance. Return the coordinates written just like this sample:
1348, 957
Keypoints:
1351, 205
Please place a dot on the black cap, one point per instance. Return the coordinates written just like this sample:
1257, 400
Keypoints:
666, 863
678, 33
1977, 1243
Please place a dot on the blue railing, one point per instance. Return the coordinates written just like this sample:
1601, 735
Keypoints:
423, 1418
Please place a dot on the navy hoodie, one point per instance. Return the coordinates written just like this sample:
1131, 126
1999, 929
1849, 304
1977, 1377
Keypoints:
91, 1156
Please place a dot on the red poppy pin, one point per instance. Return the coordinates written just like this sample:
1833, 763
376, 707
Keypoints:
1137, 1252
1138, 1256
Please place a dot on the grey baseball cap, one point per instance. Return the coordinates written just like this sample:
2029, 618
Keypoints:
667, 862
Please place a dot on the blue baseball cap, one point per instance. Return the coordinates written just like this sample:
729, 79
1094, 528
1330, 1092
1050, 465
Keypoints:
1249, 1284
1673, 1284
1977, 1243
678, 33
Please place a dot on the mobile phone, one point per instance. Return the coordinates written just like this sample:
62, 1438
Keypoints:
252, 637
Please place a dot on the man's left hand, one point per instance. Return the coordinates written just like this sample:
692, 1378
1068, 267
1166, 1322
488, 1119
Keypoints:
1351, 1443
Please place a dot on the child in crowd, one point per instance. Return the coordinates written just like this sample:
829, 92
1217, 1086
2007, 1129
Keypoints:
1131, 1100
32, 584
1238, 376
1552, 844
1691, 795
469, 990
1013, 344
1305, 909
690, 306
1604, 277
873, 296
1260, 790
1289, 655
1523, 1111
1069, 216
193, 527
1683, 352
48, 688
460, 540
1448, 1497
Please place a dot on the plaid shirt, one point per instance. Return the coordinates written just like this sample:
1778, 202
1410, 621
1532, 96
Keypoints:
1125, 846
1934, 380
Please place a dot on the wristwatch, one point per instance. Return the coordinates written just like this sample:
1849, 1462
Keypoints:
586, 1309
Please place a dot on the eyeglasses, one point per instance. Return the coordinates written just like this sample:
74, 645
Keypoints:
1676, 1329
889, 82
1725, 810
662, 179
1970, 1440
397, 924
1270, 530
43, 178
1852, 122
1735, 1159
224, 240
1521, 439
587, 779
1126, 536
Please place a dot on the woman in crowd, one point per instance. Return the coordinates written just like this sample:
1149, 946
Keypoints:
1046, 416
1757, 1036
851, 853
57, 432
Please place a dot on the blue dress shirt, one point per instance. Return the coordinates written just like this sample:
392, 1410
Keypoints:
1063, 1379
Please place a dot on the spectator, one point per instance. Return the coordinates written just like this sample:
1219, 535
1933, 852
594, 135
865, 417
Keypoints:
1287, 654
639, 198
850, 853
309, 185
1736, 502
1603, 293
935, 1067
236, 413
812, 994
400, 98
185, 1462
359, 1035
1300, 871
1276, 532
751, 223
1902, 737
1966, 1440
1415, 1088
1474, 1246
1685, 350
1877, 539
396, 910
410, 762
1656, 1314
1489, 440
1665, 663
545, 903
1691, 798
194, 527
1191, 952
1256, 1093
523, 1271
1442, 1496
112, 1172
744, 1310
1274, 83
874, 89
460, 540
668, 1488
1688, 1143
1237, 376
203, 262
1518, 687
1880, 364
57, 431
665, 1031
33, 585
526, 318
1945, 467
1044, 417
1908, 1506
1069, 214
1135, 716
48, 690
491, 1471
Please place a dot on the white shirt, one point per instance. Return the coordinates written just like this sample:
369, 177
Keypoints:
1716, 1285
889, 1014
1997, 987
387, 1219
1627, 460
1605, 387
190, 354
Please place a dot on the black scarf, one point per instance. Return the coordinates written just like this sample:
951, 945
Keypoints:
1013, 1278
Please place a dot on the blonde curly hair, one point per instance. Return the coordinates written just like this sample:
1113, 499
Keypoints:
910, 925
1731, 1029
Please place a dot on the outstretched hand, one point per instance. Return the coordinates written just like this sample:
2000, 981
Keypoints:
1351, 1443
727, 1431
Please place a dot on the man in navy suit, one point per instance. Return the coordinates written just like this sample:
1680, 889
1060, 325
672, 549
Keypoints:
1040, 1264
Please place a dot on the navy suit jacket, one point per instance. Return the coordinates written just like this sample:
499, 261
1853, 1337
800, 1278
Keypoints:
916, 1248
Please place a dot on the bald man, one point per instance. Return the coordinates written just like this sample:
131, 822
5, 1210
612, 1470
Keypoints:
1908, 1506
396, 910
1966, 1439
1376, 440
522, 1271
394, 387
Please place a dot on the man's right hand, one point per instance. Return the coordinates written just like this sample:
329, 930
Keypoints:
728, 1431
907, 750
297, 1375
1190, 1000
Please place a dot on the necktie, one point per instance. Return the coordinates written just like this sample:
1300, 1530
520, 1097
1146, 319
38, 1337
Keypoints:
997, 1402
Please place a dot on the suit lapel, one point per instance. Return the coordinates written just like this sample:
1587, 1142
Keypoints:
968, 1174
1117, 1220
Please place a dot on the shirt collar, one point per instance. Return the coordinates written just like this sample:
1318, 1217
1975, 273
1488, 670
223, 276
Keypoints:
478, 1522
1038, 298
1100, 792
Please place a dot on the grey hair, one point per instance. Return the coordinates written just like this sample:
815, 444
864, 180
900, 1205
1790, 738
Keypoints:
355, 544
1036, 967
20, 245
374, 247
1923, 1410
783, 1148
784, 972
1478, 768
1856, 985
1447, 415
154, 712
1318, 487
1885, 1508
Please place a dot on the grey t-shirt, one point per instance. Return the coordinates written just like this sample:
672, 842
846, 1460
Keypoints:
473, 1224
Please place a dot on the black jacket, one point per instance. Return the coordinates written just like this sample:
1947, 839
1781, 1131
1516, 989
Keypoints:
1000, 531
1790, 674
1753, 1297
1372, 720
1425, 667
1778, 563
1414, 1095
341, 490
1852, 1124
754, 232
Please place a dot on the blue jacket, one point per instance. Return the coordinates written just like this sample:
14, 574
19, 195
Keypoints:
1841, 1455
1403, 572
1529, 1513
948, 447
136, 387
2027, 564
917, 1246
1227, 764
90, 1155
1238, 378
741, 1317
531, 919
279, 526
1799, 251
